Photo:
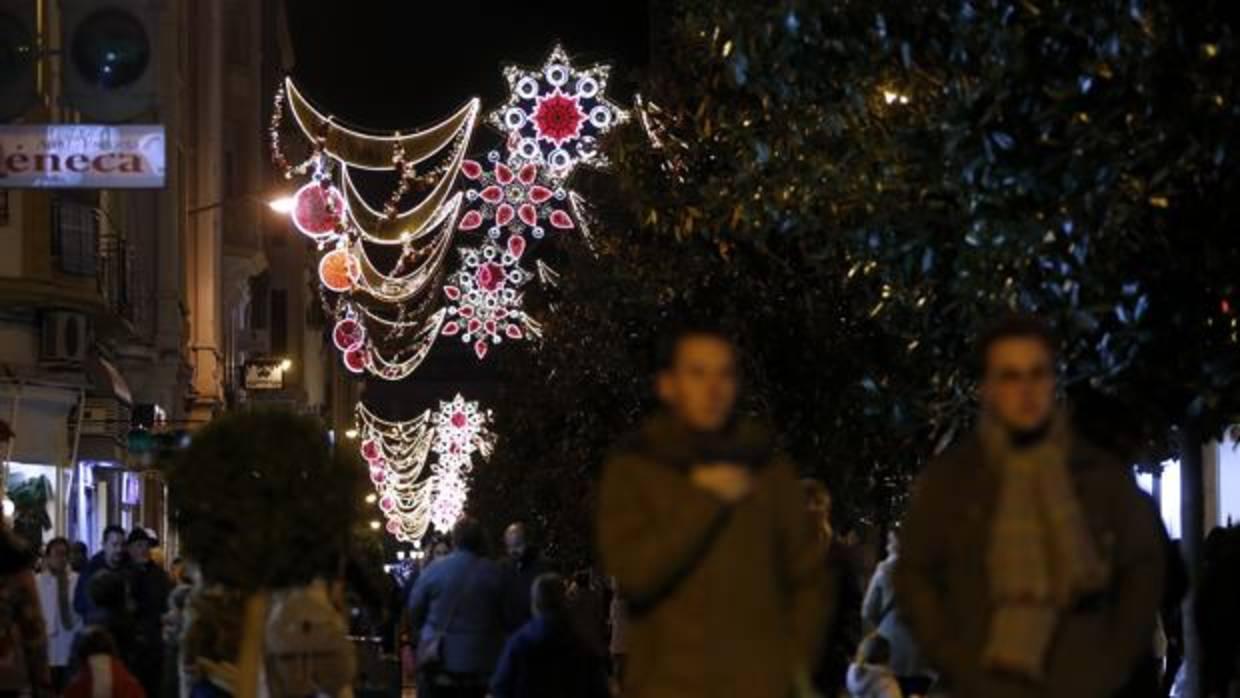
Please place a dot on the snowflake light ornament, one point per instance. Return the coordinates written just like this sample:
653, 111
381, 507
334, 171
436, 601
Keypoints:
460, 432
484, 294
517, 197
556, 114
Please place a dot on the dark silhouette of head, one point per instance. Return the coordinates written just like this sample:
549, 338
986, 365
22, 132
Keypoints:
468, 535
548, 594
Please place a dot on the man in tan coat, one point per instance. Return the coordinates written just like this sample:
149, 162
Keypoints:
704, 529
1030, 564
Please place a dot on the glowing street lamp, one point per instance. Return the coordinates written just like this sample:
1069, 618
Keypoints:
282, 205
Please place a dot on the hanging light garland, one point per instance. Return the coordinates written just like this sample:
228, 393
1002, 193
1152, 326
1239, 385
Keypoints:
396, 454
386, 320
460, 433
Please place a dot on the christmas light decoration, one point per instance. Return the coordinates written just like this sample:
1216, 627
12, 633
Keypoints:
337, 270
414, 353
408, 280
485, 302
396, 454
556, 114
375, 151
318, 210
386, 315
514, 196
460, 432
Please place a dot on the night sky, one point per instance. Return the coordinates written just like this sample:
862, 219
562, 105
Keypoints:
404, 64
397, 64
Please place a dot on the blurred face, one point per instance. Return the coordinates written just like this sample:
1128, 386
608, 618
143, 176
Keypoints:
57, 558
701, 384
140, 551
113, 549
514, 542
440, 550
77, 556
1018, 388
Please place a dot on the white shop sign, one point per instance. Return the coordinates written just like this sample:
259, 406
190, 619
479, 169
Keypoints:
60, 156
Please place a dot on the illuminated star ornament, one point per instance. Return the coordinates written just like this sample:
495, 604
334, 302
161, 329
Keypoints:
556, 114
516, 199
485, 299
460, 432
383, 262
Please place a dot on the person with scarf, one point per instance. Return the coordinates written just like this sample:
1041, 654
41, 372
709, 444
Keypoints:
1031, 565
703, 525
57, 584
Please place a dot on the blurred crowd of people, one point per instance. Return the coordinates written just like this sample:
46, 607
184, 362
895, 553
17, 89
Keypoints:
509, 628
1029, 565
76, 625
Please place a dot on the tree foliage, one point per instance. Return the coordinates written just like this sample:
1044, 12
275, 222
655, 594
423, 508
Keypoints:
858, 187
263, 500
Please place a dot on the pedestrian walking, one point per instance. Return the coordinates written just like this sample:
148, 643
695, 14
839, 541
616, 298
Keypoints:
456, 613
110, 610
882, 615
23, 636
547, 657
101, 673
524, 564
871, 675
843, 593
703, 526
149, 587
57, 584
1030, 563
587, 609
112, 558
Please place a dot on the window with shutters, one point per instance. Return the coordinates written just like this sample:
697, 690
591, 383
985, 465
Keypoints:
75, 236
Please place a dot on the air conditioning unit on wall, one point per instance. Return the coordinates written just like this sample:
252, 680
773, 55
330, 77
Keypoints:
63, 337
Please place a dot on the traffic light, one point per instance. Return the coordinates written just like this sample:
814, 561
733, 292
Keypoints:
18, 65
111, 57
153, 448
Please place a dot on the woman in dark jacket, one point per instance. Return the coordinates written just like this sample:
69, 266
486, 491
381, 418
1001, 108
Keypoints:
548, 657
21, 621
844, 595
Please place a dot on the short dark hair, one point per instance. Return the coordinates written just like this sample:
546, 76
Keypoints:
669, 345
112, 528
94, 641
548, 593
58, 540
467, 534
1014, 326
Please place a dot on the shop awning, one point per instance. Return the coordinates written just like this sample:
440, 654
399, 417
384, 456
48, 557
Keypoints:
107, 379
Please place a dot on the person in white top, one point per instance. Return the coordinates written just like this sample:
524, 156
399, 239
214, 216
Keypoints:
56, 584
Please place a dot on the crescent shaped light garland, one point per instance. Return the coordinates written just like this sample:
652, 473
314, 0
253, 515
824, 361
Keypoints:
386, 319
393, 288
400, 228
396, 453
374, 151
